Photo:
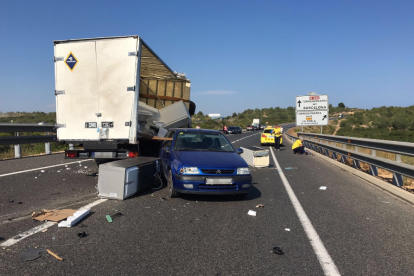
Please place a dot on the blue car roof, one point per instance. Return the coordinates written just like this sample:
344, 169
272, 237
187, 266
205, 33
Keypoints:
195, 130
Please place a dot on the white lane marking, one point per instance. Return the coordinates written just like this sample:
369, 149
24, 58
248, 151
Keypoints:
39, 228
324, 258
36, 169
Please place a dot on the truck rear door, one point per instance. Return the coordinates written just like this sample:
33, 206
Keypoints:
76, 90
117, 72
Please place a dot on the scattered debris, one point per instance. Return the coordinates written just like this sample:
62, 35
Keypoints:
147, 207
30, 254
53, 237
291, 168
85, 167
55, 193
322, 188
260, 206
277, 250
108, 218
57, 171
54, 255
19, 202
287, 229
82, 234
117, 215
75, 218
42, 171
385, 201
44, 230
251, 213
11, 200
53, 215
68, 168
35, 177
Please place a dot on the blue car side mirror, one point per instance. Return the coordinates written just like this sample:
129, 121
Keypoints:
239, 151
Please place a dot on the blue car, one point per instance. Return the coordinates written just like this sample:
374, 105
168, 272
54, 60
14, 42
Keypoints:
201, 161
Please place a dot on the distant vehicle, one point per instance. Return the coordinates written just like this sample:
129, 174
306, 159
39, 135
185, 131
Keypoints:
262, 127
201, 161
239, 129
341, 115
256, 124
267, 137
249, 128
234, 130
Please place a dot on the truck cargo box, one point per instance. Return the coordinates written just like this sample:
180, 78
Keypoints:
107, 89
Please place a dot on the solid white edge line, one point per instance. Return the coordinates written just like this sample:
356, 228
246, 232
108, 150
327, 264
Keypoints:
36, 169
39, 228
322, 254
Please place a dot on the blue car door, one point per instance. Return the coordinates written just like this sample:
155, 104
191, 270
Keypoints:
165, 154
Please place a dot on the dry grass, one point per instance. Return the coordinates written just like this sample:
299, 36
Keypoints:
386, 155
407, 159
364, 150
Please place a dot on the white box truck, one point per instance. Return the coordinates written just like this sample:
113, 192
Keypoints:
256, 124
114, 95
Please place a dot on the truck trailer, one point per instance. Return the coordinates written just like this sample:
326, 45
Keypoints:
116, 98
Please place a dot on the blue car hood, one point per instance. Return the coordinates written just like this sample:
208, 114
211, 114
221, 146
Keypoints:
210, 159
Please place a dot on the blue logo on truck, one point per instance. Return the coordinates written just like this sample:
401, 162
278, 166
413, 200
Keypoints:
71, 61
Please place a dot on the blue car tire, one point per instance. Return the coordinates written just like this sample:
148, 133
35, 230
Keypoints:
170, 186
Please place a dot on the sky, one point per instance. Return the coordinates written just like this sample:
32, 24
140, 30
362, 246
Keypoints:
237, 54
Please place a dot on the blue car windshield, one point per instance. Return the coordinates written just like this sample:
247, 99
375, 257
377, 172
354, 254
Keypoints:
202, 141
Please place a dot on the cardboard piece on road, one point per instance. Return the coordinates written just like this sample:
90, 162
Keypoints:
53, 215
322, 188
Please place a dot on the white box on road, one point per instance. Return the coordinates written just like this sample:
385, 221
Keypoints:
255, 156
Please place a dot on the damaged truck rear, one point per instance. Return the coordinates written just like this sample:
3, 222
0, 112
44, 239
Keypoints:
115, 98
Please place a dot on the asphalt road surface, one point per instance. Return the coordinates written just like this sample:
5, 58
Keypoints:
362, 229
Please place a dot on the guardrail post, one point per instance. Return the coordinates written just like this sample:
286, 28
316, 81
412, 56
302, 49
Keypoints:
356, 148
334, 155
71, 147
374, 152
373, 170
356, 164
343, 158
47, 146
326, 152
17, 149
397, 180
398, 158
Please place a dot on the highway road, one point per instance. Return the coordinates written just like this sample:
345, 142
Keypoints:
351, 228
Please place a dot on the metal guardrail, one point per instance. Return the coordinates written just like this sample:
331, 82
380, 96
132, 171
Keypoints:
349, 148
17, 140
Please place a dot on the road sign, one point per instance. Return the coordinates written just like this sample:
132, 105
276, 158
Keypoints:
312, 118
312, 102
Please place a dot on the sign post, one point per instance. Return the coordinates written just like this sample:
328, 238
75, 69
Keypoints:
312, 110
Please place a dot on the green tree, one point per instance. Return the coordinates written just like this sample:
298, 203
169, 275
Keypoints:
200, 113
234, 114
341, 104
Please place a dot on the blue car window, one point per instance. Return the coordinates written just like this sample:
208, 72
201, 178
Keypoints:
202, 141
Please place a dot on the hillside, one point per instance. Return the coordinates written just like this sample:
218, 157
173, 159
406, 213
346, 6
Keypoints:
385, 123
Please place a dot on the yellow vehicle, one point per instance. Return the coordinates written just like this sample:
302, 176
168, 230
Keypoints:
268, 136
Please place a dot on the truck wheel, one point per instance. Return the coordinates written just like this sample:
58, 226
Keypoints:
170, 186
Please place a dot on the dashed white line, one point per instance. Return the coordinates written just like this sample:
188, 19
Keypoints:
36, 169
39, 228
325, 260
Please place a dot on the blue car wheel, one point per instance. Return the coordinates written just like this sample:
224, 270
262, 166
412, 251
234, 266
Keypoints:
170, 186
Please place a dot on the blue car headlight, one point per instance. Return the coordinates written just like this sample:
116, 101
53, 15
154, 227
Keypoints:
243, 171
189, 170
